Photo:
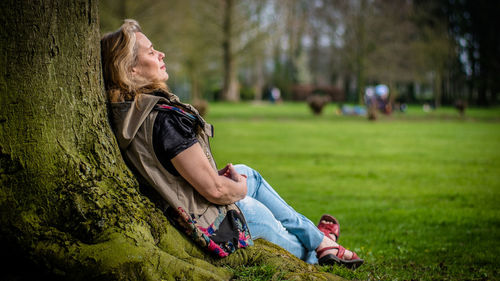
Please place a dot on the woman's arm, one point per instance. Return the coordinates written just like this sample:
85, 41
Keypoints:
223, 189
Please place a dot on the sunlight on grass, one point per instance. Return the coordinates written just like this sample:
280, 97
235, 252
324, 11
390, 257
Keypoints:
417, 194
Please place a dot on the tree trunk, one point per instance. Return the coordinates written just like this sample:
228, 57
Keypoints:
230, 91
69, 207
259, 79
361, 52
438, 87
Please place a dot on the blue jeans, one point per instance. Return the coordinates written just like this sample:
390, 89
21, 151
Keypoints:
269, 217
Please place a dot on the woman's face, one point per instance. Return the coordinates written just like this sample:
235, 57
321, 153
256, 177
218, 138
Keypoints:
150, 65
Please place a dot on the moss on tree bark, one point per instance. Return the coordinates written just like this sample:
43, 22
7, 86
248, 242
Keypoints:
70, 209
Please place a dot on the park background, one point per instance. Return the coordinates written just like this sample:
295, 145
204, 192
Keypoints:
425, 51
417, 190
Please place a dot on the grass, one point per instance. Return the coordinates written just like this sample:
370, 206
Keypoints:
417, 194
257, 273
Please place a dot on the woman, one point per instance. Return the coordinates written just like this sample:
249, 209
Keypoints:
165, 142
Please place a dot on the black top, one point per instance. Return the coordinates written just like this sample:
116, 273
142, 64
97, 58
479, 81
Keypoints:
173, 132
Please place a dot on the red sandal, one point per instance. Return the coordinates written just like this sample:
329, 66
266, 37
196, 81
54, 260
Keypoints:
329, 229
332, 259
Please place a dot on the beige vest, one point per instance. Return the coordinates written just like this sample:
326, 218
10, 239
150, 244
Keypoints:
133, 125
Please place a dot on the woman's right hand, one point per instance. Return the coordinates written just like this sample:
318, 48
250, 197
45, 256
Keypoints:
230, 172
225, 171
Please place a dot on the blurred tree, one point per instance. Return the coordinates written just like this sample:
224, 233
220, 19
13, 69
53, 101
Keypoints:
357, 17
474, 25
433, 48
326, 35
243, 33
255, 55
230, 90
392, 57
378, 43
292, 23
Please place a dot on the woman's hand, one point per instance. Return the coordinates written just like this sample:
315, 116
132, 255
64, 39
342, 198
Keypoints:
223, 187
224, 171
230, 172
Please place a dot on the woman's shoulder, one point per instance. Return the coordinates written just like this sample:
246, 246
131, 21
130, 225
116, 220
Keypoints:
172, 118
170, 109
173, 132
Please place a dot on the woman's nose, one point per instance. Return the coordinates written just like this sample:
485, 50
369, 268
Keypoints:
161, 55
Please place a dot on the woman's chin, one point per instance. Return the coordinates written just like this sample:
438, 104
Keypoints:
161, 79
165, 77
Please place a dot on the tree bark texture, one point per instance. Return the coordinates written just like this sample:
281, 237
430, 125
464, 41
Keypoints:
69, 207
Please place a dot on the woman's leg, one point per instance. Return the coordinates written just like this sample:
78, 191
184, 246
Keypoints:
293, 222
264, 225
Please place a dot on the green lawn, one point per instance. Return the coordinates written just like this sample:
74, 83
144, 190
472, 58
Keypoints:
417, 194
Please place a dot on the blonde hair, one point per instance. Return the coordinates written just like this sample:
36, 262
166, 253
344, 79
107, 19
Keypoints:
119, 55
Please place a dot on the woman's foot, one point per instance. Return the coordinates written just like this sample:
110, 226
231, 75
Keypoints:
330, 226
329, 253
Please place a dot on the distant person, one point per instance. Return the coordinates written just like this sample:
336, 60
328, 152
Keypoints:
275, 95
382, 98
354, 110
369, 96
426, 107
166, 144
377, 100
402, 107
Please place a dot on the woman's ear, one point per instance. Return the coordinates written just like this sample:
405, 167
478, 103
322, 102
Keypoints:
133, 70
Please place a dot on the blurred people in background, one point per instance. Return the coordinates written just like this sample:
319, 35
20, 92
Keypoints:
377, 100
355, 110
382, 99
275, 95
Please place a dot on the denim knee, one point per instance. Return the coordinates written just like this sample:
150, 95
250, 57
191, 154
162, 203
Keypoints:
243, 169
